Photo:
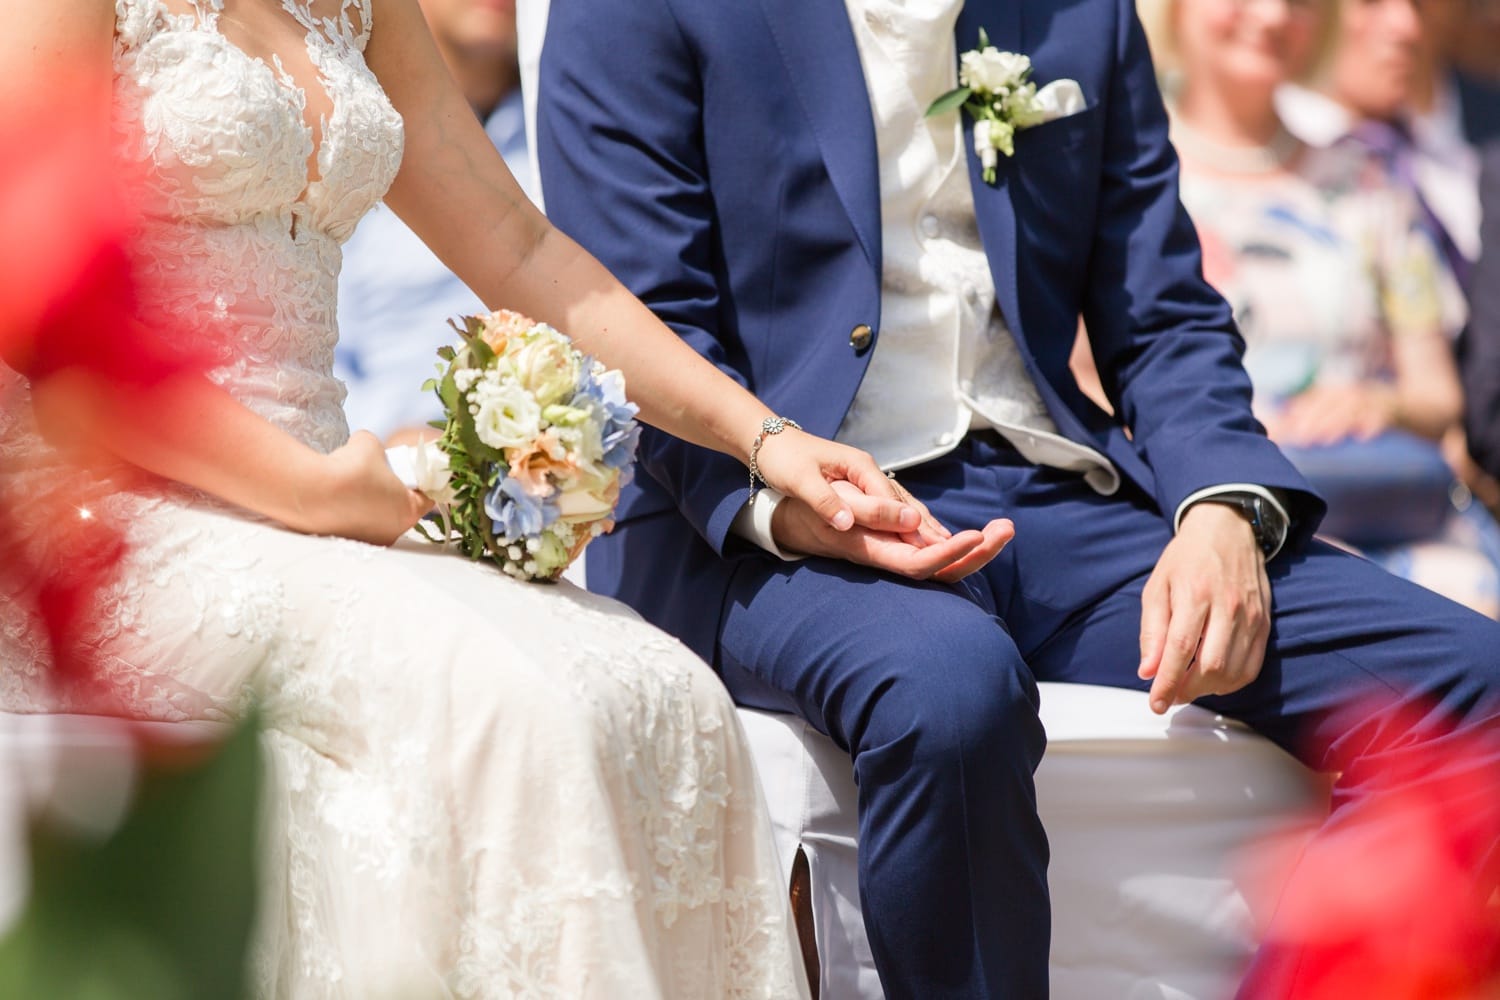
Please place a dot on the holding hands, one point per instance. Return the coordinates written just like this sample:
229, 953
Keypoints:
838, 504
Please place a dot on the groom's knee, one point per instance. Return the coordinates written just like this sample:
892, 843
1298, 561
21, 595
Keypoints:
949, 694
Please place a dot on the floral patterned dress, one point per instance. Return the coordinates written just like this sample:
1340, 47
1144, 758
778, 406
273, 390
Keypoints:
1326, 267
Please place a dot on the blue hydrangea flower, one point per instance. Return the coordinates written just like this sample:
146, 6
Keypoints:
516, 513
618, 432
619, 446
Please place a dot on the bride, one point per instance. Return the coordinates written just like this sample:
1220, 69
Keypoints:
482, 788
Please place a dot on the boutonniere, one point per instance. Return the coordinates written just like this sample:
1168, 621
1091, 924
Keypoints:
995, 88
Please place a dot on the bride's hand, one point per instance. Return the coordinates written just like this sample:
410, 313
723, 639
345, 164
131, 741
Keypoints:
931, 552
361, 497
805, 467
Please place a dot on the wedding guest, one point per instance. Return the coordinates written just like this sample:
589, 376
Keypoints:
1391, 86
1477, 48
1455, 103
1337, 286
1453, 111
768, 178
395, 296
1481, 368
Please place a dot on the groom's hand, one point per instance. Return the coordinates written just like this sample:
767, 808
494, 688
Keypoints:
889, 538
1206, 610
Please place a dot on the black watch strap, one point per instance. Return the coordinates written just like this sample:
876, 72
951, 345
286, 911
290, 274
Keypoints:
1265, 519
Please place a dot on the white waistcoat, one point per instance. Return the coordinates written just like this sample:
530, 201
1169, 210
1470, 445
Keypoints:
945, 360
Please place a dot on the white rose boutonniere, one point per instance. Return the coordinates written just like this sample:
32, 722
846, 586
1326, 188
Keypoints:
995, 88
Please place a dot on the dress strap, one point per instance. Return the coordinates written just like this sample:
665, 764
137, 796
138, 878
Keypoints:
366, 12
135, 21
338, 29
207, 11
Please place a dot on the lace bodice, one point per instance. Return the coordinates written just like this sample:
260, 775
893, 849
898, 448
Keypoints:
255, 174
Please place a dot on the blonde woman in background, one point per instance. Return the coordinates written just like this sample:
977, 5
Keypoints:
1338, 287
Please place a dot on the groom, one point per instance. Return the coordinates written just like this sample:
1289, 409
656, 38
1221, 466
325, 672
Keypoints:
762, 174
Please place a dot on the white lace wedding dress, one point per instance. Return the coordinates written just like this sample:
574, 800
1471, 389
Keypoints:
481, 788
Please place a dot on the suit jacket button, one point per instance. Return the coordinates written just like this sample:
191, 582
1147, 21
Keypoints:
860, 337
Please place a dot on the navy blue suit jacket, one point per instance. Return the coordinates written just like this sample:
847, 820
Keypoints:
720, 159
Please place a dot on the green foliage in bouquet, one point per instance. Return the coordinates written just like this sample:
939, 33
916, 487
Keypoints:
474, 468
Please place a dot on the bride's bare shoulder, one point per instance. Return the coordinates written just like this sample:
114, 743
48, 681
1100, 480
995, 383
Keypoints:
44, 39
58, 51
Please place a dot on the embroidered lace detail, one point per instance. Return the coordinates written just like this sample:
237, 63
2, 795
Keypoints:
479, 788
243, 242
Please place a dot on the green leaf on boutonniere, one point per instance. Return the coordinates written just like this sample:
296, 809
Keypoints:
984, 40
952, 99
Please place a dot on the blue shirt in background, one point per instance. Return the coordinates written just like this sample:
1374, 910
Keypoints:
395, 298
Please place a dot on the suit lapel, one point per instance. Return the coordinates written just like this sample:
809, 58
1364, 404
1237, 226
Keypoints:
1001, 20
817, 46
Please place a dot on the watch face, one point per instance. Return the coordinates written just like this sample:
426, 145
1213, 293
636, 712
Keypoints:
1270, 526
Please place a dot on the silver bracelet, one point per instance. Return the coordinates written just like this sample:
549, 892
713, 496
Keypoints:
769, 426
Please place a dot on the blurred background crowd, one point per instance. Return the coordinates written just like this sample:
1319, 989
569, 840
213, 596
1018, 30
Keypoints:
1341, 161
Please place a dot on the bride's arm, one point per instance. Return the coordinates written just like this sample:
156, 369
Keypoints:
455, 192
57, 55
457, 195
189, 430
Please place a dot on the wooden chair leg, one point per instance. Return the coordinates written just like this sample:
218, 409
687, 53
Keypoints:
802, 915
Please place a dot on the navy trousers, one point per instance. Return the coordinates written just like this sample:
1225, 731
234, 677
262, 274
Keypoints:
932, 690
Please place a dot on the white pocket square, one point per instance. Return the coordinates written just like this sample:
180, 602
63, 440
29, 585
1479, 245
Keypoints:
1059, 99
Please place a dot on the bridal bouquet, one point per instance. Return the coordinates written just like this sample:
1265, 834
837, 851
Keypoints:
537, 441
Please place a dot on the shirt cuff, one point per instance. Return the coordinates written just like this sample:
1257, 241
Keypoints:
753, 523
1265, 494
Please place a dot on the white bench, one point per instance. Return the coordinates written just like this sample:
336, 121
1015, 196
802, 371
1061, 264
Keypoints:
1150, 820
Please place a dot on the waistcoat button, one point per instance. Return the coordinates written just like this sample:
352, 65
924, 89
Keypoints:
860, 337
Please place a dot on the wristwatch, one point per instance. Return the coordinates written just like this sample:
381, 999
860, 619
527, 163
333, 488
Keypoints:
1268, 523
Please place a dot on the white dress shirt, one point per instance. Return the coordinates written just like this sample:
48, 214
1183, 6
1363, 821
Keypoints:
945, 359
1447, 168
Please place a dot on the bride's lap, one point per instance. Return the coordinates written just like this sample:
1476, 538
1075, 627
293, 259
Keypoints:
590, 766
220, 611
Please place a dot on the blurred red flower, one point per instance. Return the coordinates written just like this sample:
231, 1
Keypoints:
1396, 900
70, 316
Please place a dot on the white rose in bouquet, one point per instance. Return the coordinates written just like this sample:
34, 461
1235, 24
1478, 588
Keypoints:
548, 367
505, 414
